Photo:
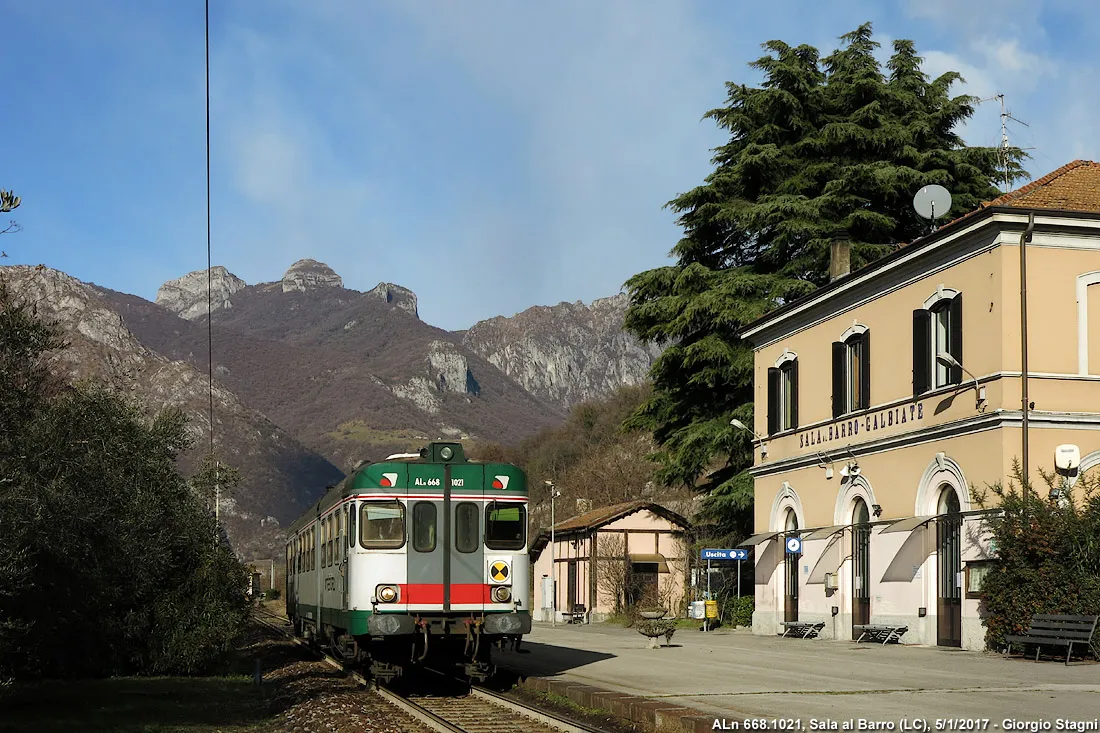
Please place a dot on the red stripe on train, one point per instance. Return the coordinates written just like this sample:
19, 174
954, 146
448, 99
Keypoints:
426, 593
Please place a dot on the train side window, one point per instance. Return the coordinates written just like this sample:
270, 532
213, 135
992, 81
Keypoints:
382, 525
467, 537
423, 526
505, 526
326, 542
351, 524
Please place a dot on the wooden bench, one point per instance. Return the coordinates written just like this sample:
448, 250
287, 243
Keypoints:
1050, 630
802, 629
880, 632
576, 616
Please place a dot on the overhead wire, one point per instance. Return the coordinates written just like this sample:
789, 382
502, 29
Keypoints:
210, 293
209, 261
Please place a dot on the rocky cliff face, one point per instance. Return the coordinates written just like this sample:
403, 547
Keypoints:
187, 296
397, 296
307, 274
305, 368
567, 353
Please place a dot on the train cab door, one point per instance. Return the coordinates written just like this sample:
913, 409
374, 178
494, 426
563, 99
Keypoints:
346, 513
468, 571
426, 557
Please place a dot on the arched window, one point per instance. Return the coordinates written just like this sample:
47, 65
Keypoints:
783, 394
949, 500
860, 514
791, 522
937, 329
852, 371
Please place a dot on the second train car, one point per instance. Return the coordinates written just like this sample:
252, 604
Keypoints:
419, 558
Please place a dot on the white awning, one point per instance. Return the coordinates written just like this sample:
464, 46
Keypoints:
825, 532
909, 524
756, 539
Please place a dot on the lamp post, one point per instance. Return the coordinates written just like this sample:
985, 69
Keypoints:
1025, 237
949, 361
554, 493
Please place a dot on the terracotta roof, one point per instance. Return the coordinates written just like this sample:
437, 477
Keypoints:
1073, 187
597, 517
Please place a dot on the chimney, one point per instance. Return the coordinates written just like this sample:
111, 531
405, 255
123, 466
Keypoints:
840, 255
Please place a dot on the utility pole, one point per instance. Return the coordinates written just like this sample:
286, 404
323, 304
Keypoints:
217, 501
553, 563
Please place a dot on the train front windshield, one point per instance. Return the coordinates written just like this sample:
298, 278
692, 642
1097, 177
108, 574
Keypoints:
382, 524
505, 526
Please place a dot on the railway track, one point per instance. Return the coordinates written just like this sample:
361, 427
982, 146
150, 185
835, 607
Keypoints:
476, 711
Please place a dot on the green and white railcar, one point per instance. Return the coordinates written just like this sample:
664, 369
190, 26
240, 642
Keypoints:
419, 557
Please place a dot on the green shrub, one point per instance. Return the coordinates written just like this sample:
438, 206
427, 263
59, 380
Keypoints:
272, 594
739, 610
1048, 555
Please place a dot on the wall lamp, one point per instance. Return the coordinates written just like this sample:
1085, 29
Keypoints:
949, 361
876, 510
742, 426
825, 462
850, 470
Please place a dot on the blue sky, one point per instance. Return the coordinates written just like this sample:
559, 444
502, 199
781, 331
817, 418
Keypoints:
488, 155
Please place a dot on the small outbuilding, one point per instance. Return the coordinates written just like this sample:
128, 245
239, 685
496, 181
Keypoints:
610, 558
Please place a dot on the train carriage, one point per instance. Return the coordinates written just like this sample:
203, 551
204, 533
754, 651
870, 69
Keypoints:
421, 557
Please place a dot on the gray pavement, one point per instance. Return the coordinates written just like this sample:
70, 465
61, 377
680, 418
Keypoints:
732, 674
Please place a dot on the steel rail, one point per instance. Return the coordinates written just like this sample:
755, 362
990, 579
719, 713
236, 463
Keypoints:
428, 717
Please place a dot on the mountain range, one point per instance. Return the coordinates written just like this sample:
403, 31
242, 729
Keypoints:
310, 378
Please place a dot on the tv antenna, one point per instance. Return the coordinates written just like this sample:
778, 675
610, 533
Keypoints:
1004, 146
932, 202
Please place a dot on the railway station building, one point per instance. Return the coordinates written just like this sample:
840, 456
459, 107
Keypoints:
622, 554
886, 395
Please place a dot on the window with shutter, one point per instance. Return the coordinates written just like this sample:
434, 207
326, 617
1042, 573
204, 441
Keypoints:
840, 391
852, 371
783, 395
922, 330
773, 400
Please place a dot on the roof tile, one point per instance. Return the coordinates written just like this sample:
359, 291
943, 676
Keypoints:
599, 516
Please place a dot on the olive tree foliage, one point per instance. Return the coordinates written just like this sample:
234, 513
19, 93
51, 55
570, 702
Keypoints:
109, 563
823, 145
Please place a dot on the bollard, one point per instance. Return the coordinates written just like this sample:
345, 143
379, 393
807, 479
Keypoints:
258, 673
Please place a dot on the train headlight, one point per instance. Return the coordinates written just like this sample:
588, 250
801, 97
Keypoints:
502, 594
446, 453
386, 593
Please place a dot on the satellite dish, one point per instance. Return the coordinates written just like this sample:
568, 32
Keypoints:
932, 202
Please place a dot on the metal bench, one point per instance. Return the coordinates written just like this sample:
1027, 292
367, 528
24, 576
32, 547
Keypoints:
880, 632
577, 615
802, 629
1048, 630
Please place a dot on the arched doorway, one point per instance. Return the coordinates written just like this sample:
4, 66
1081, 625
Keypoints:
949, 560
790, 600
861, 565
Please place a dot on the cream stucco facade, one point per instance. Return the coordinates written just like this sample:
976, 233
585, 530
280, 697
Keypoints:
847, 378
638, 539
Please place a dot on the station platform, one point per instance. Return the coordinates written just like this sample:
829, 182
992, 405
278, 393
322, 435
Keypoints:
732, 675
